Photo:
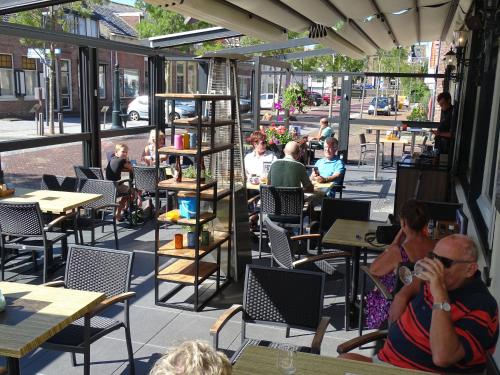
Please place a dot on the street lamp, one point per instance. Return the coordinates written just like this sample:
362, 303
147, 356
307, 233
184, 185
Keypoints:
115, 118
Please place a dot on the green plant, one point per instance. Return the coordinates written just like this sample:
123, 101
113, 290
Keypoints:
190, 172
294, 97
278, 135
418, 113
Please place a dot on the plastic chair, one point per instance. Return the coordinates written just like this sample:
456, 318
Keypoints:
365, 148
22, 223
282, 297
96, 270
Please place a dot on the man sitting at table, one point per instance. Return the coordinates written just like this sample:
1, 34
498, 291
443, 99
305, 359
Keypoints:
288, 172
331, 168
448, 323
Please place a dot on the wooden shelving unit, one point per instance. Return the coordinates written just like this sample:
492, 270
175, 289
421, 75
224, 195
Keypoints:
188, 269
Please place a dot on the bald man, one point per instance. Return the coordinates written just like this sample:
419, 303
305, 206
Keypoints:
288, 172
447, 323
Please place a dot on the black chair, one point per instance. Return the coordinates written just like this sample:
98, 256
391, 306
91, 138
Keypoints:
282, 204
282, 254
22, 229
102, 207
96, 270
145, 182
92, 173
289, 298
59, 183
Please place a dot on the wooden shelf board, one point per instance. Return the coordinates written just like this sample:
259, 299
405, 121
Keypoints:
205, 149
206, 195
193, 121
183, 271
169, 96
188, 252
185, 184
205, 217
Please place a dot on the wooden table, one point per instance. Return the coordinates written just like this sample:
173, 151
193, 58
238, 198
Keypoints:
352, 233
318, 187
262, 361
392, 142
51, 201
35, 313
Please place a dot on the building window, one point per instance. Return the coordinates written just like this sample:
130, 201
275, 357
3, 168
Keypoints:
179, 77
191, 77
130, 83
30, 75
65, 79
86, 26
102, 81
6, 76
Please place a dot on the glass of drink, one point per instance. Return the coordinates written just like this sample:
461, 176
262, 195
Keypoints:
285, 361
406, 275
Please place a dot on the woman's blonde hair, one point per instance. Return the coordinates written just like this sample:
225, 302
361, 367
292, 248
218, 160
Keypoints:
152, 135
192, 358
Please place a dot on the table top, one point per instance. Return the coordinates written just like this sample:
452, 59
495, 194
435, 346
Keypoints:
35, 313
352, 233
389, 140
53, 201
260, 360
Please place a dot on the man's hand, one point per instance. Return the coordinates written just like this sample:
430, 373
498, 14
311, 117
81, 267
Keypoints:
434, 273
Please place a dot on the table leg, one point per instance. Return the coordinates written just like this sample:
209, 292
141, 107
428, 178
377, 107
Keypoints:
392, 154
377, 148
412, 147
354, 284
86, 345
13, 367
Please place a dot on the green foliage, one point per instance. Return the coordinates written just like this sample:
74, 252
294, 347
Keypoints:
328, 63
291, 97
190, 172
418, 113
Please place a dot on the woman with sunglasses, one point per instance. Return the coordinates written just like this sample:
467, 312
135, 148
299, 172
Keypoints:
255, 160
410, 245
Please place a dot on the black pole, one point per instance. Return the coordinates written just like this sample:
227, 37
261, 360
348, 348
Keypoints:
116, 119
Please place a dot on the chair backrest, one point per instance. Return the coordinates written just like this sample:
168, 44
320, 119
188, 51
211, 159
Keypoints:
281, 296
106, 188
349, 209
98, 270
283, 201
281, 251
442, 211
21, 219
59, 183
362, 138
145, 178
94, 173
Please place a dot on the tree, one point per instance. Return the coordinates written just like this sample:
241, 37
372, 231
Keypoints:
51, 18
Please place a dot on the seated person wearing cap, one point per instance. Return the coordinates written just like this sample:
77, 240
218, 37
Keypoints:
331, 168
447, 323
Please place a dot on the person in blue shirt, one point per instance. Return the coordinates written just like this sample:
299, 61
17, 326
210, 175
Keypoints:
331, 168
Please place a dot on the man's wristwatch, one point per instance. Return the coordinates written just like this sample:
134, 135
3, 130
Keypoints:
445, 306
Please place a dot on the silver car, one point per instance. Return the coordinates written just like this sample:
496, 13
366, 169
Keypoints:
138, 109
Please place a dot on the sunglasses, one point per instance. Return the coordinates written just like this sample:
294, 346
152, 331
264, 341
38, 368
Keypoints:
447, 262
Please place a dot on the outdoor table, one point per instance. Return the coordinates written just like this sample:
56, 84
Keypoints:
392, 142
318, 187
51, 201
258, 360
352, 233
377, 146
35, 313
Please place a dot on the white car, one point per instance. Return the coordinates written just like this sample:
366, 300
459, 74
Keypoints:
138, 109
267, 100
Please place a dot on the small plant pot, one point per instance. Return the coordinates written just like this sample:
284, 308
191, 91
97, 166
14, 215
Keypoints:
191, 239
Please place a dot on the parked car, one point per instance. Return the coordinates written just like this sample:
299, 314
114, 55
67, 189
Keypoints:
267, 100
384, 105
138, 109
326, 98
315, 98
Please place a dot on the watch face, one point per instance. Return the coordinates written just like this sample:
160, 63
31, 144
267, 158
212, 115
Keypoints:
446, 306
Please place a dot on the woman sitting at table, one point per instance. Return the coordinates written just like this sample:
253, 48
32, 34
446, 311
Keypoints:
254, 161
149, 153
409, 245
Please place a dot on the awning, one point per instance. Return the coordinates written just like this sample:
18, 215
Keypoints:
355, 27
14, 6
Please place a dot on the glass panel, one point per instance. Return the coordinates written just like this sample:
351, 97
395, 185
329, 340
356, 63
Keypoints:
102, 81
5, 61
31, 82
6, 82
136, 144
130, 83
179, 81
191, 77
28, 64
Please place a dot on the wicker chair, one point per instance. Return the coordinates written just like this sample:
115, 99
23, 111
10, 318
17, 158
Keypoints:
282, 204
290, 298
23, 224
145, 181
282, 255
96, 270
91, 220
92, 173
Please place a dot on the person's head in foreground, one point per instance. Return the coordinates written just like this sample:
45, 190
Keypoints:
292, 149
330, 147
258, 140
444, 100
192, 358
121, 150
413, 217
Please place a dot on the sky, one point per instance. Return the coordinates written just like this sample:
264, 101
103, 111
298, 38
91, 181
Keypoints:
128, 2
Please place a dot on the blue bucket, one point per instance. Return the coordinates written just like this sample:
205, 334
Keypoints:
187, 207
